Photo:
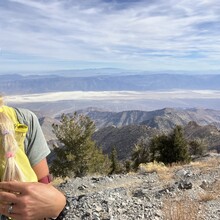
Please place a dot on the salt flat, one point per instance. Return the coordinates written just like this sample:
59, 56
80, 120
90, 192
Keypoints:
114, 95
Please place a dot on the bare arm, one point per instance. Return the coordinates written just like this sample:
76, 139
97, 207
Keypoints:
41, 169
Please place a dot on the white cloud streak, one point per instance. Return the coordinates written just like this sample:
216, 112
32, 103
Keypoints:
176, 34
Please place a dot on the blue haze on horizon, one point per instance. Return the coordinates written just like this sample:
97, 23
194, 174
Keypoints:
149, 35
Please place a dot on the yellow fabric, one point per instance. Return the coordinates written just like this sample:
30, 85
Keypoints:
20, 156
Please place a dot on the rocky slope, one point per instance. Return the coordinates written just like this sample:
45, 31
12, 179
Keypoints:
154, 193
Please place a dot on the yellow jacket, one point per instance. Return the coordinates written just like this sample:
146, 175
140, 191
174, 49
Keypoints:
20, 156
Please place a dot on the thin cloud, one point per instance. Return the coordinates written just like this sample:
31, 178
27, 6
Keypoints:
136, 33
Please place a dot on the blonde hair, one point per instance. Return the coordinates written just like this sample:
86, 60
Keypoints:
10, 146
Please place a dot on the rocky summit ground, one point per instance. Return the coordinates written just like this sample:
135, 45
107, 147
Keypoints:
155, 192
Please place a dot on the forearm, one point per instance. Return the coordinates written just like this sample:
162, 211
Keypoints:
58, 199
59, 205
63, 213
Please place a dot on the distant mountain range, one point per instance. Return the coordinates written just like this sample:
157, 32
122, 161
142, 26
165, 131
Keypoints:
162, 119
119, 125
20, 84
123, 130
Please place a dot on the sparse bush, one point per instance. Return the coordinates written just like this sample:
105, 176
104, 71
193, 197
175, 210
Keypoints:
212, 192
207, 196
207, 164
183, 209
197, 147
152, 167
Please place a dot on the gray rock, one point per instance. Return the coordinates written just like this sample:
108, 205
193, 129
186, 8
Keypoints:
137, 196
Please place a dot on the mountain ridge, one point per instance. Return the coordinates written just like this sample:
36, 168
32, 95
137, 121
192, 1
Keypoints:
14, 84
174, 116
124, 129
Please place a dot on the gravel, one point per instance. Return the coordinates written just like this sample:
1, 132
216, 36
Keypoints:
192, 192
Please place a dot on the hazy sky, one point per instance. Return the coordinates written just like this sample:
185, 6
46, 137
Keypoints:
77, 34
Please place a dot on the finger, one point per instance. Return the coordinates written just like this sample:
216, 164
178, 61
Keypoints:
8, 197
9, 210
18, 187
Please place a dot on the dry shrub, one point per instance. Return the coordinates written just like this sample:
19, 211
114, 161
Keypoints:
165, 176
207, 196
58, 180
164, 173
215, 186
183, 209
212, 191
207, 164
174, 167
152, 167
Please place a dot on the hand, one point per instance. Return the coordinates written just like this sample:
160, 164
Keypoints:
30, 201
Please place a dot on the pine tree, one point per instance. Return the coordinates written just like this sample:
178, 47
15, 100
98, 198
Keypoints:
180, 147
140, 154
115, 166
157, 147
77, 154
